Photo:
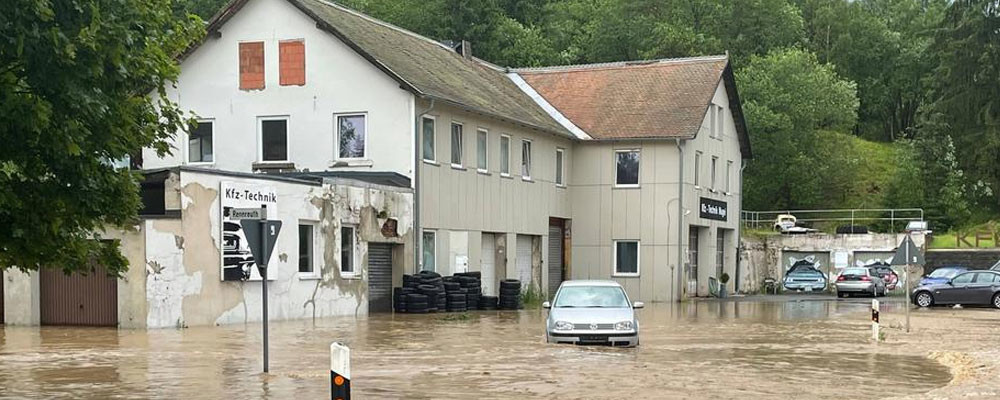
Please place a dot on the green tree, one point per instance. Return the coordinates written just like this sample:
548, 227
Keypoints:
75, 84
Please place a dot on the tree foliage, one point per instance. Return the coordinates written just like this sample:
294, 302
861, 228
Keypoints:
75, 84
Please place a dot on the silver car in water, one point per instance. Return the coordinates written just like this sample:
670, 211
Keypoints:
592, 312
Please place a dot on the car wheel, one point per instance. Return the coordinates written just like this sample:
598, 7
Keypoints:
924, 299
996, 300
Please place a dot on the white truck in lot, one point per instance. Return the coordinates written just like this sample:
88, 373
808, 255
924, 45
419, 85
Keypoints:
787, 223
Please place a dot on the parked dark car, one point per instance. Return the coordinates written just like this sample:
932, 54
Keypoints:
942, 275
887, 273
805, 276
970, 288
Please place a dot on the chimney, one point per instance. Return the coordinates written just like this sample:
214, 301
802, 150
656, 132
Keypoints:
465, 49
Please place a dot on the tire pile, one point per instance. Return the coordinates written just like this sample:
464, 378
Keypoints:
428, 292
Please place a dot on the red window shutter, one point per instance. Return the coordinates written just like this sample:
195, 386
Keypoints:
292, 63
251, 65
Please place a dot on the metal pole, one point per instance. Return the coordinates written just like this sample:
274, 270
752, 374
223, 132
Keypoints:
906, 276
262, 263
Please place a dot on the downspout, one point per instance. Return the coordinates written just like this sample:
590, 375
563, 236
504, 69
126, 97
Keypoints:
678, 292
418, 161
739, 226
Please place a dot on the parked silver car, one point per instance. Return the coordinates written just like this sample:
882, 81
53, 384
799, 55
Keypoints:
861, 280
592, 312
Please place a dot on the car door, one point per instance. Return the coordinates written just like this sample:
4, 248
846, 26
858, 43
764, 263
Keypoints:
954, 292
981, 289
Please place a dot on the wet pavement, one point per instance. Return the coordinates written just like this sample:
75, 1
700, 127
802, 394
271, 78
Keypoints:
805, 347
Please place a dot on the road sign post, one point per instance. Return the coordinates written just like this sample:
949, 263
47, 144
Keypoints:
340, 372
875, 327
261, 235
262, 267
907, 254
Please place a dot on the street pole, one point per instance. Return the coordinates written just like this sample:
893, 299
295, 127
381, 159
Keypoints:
262, 267
906, 277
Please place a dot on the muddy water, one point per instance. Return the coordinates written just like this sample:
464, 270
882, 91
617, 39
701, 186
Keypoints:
800, 349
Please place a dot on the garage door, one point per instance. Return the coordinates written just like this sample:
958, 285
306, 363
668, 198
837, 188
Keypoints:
379, 277
78, 299
487, 263
555, 258
524, 260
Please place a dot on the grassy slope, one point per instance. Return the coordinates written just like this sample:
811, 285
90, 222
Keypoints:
877, 164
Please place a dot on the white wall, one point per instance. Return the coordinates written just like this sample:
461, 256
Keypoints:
338, 80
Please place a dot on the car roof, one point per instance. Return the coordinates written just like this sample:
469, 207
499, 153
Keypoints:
588, 282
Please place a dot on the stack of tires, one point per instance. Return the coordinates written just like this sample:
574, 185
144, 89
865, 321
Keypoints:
399, 298
473, 288
488, 302
420, 293
510, 294
455, 294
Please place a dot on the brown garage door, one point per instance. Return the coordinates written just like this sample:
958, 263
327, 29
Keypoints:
78, 299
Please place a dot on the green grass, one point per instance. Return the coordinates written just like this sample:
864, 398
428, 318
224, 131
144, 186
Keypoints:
949, 240
877, 164
532, 298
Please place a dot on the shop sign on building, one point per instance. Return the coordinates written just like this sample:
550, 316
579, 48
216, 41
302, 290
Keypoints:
237, 259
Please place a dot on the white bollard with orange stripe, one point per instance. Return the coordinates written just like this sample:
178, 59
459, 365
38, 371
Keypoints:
340, 371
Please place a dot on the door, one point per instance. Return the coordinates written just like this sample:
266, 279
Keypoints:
956, 292
90, 300
523, 263
487, 262
981, 289
693, 261
720, 253
555, 258
379, 277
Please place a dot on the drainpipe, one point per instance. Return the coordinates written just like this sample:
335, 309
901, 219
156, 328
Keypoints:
739, 226
678, 292
418, 164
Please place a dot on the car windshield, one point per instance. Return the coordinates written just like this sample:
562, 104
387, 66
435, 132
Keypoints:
944, 273
591, 296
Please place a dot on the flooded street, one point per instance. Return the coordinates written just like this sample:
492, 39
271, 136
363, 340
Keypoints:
735, 349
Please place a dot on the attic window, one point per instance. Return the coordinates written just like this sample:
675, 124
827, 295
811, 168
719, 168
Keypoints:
251, 65
292, 63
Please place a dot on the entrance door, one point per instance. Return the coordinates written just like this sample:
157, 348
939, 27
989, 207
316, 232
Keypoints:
555, 258
524, 260
487, 262
379, 277
76, 299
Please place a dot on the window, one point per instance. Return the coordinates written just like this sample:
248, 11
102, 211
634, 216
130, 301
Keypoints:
347, 249
986, 277
429, 139
504, 155
306, 249
291, 62
482, 138
715, 160
720, 119
456, 144
964, 278
713, 115
720, 252
559, 167
352, 136
274, 139
427, 244
729, 176
627, 167
251, 65
526, 159
627, 257
200, 142
697, 168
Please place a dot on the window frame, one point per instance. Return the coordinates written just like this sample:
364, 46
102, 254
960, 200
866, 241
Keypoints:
720, 121
260, 138
638, 259
697, 169
423, 261
336, 140
560, 173
315, 272
354, 251
529, 161
461, 144
713, 113
638, 171
486, 150
729, 176
504, 173
187, 149
423, 154
715, 163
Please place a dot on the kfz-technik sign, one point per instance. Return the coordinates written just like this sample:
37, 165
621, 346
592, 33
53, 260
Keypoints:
713, 209
237, 259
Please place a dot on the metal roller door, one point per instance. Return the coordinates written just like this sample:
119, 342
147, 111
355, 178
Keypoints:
76, 299
379, 277
555, 259
524, 260
487, 263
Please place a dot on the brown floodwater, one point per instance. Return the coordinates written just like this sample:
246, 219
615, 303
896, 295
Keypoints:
704, 349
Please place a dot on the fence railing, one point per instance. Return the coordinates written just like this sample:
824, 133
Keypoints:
856, 216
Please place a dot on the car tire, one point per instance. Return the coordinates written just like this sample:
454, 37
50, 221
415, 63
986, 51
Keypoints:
923, 299
996, 300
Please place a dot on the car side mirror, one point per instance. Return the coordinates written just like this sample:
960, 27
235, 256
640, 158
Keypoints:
638, 304
546, 305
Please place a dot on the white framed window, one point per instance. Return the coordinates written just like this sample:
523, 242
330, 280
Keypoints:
712, 116
729, 176
307, 249
456, 144
720, 119
427, 243
348, 240
697, 169
559, 167
482, 146
715, 162
627, 168
428, 128
526, 159
201, 142
504, 155
273, 139
626, 258
352, 136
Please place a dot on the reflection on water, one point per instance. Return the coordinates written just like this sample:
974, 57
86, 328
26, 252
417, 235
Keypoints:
745, 349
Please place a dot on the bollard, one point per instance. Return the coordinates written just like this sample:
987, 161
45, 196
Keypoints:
340, 371
875, 327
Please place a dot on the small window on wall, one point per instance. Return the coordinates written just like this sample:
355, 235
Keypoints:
697, 168
200, 142
627, 258
720, 119
715, 161
729, 176
504, 155
427, 244
482, 140
526, 160
456, 144
627, 168
292, 63
306, 249
347, 241
428, 128
251, 65
713, 116
352, 136
274, 139
559, 167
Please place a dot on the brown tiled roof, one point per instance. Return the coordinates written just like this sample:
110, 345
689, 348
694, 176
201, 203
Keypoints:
666, 98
